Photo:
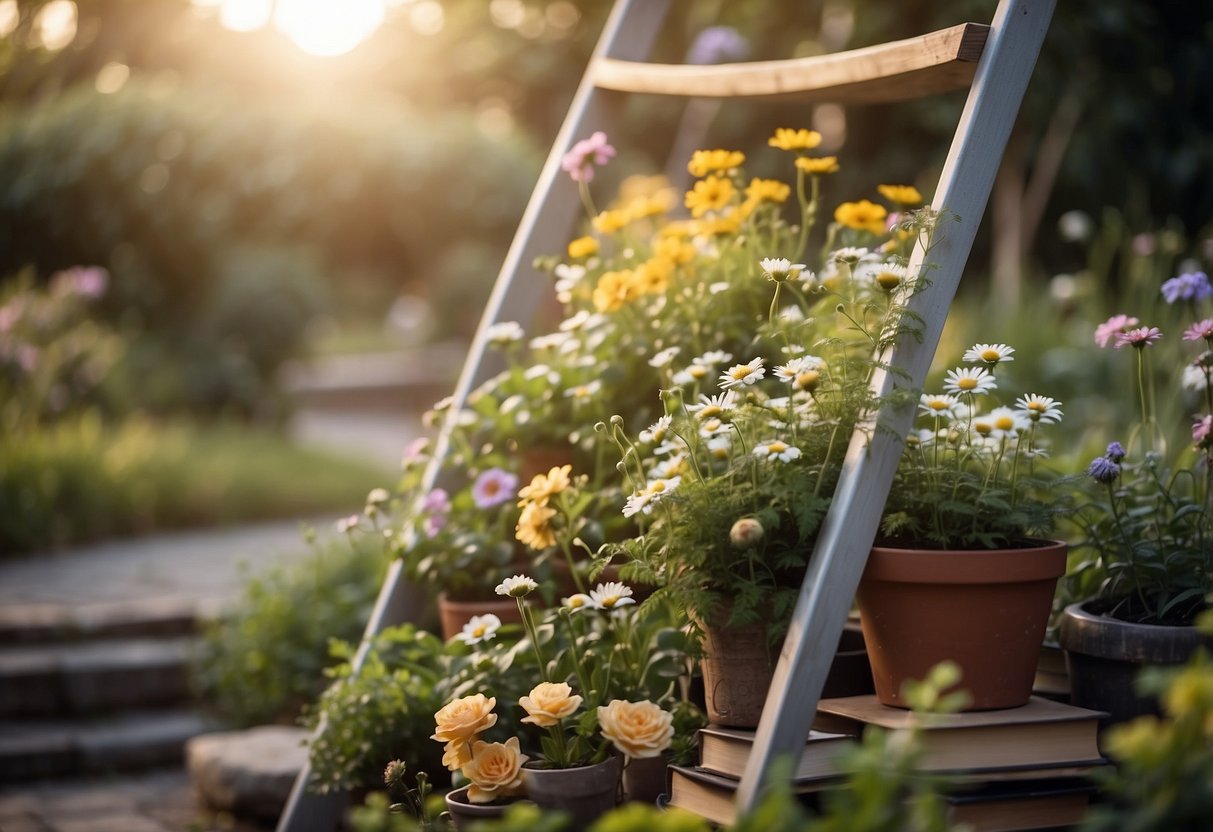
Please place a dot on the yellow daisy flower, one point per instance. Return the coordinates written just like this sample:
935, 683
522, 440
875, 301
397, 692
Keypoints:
862, 215
786, 138
653, 276
901, 194
614, 289
711, 194
704, 162
583, 247
817, 165
675, 250
608, 222
543, 486
534, 527
717, 226
767, 190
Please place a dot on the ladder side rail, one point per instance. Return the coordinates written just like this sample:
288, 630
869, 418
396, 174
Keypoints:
838, 560
550, 216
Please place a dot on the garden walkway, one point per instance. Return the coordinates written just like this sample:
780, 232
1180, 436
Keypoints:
93, 647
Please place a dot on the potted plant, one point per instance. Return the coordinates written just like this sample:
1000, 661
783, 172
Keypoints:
1147, 530
729, 486
577, 743
964, 570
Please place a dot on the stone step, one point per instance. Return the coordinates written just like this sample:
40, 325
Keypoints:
36, 749
93, 677
49, 623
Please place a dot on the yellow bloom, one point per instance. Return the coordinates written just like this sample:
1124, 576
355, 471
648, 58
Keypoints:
704, 162
638, 729
728, 224
653, 276
675, 250
456, 723
639, 186
608, 222
676, 229
614, 289
456, 755
787, 139
543, 486
767, 190
711, 194
863, 215
649, 206
548, 703
901, 194
583, 247
817, 165
534, 527
495, 770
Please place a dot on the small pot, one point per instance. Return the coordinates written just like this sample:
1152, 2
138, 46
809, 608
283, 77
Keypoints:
984, 610
463, 812
1104, 656
645, 779
585, 792
455, 614
737, 669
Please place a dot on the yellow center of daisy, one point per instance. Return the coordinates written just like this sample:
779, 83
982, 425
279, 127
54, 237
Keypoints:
937, 404
710, 411
610, 601
889, 281
966, 383
712, 425
807, 380
479, 631
990, 355
696, 371
1004, 423
1036, 407
741, 372
657, 487
983, 428
777, 447
575, 602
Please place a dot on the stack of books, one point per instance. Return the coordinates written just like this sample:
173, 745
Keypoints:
1021, 768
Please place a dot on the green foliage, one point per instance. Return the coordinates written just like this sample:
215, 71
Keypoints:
265, 657
1162, 779
81, 479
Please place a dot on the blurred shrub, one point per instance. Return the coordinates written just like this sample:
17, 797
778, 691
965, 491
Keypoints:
264, 659
53, 359
220, 218
79, 479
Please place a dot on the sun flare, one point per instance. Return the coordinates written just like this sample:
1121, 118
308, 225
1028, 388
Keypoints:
325, 28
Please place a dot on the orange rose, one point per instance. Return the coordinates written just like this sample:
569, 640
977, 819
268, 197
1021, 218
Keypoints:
549, 703
495, 770
638, 729
458, 722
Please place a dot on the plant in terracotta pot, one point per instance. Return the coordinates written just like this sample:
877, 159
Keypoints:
1147, 528
576, 743
730, 485
964, 570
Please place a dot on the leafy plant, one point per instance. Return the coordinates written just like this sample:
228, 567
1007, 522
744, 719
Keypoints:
264, 658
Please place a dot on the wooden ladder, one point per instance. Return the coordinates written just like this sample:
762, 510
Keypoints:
995, 62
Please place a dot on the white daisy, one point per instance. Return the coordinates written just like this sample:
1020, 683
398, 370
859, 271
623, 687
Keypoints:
789, 370
851, 254
742, 374
610, 595
584, 391
713, 358
550, 340
938, 404
664, 357
720, 446
656, 432
969, 380
1008, 422
652, 493
518, 586
694, 373
780, 269
579, 601
479, 628
1039, 408
776, 450
505, 332
712, 406
717, 288
989, 354
672, 466
539, 371
712, 427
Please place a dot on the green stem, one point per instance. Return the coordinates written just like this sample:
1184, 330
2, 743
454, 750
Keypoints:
533, 635
583, 188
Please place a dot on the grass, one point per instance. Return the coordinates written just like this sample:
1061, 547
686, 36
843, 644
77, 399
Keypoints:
83, 480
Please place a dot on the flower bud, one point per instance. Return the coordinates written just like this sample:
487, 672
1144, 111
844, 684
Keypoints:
746, 533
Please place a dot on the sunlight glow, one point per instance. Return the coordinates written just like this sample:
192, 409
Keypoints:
245, 15
55, 24
328, 27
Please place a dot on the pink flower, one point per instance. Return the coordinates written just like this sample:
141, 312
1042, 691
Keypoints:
86, 281
1202, 432
436, 504
494, 487
580, 161
1141, 337
1106, 332
1201, 329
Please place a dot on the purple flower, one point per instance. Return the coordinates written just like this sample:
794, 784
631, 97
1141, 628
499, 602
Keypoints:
1188, 286
436, 504
1140, 338
1202, 432
579, 162
1115, 452
1103, 470
1200, 329
493, 488
85, 281
1106, 332
718, 45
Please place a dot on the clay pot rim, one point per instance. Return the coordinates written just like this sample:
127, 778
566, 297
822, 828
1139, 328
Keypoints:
458, 797
1094, 633
1046, 560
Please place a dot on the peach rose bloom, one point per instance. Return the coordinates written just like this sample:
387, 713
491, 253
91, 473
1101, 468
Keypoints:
458, 722
638, 729
495, 770
549, 703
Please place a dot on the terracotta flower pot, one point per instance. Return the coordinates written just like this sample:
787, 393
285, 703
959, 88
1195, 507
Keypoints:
1104, 656
455, 614
585, 792
985, 610
463, 812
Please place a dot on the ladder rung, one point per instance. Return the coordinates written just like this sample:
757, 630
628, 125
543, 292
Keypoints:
897, 71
